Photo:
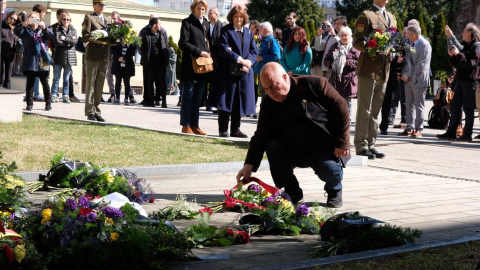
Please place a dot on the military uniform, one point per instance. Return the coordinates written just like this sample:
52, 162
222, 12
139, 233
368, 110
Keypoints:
96, 61
372, 75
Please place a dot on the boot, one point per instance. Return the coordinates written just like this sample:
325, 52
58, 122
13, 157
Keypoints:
334, 199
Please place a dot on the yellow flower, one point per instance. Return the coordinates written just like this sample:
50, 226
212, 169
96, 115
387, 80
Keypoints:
114, 236
109, 220
110, 177
19, 183
19, 253
266, 193
47, 215
9, 186
286, 203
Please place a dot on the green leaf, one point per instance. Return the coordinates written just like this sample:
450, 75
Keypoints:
224, 242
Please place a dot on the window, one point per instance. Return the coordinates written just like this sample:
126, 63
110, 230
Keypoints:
326, 3
172, 5
185, 6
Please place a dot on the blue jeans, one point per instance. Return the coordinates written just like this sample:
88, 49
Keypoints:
191, 99
283, 157
57, 71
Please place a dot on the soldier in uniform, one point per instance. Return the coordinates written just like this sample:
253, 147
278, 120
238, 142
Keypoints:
372, 75
96, 59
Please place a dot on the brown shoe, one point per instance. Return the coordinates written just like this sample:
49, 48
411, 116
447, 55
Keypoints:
400, 125
187, 130
405, 133
198, 131
417, 134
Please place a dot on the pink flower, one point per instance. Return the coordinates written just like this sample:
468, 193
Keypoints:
152, 200
229, 231
206, 209
242, 237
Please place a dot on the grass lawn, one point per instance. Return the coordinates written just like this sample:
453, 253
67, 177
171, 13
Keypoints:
460, 256
33, 142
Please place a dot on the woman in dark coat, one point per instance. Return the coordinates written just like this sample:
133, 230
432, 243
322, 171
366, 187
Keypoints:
234, 96
35, 36
65, 56
123, 67
342, 58
8, 48
193, 42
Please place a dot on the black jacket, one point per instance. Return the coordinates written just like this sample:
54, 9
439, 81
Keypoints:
467, 60
8, 41
192, 42
65, 49
117, 51
213, 39
162, 44
322, 104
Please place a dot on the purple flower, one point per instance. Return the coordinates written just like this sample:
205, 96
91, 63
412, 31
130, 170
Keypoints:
91, 216
83, 202
12, 216
71, 204
269, 199
112, 212
302, 210
254, 187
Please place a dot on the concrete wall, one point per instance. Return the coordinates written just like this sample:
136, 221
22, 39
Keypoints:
137, 14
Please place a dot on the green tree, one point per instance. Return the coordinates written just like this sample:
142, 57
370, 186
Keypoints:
313, 29
275, 11
307, 30
439, 63
352, 8
422, 25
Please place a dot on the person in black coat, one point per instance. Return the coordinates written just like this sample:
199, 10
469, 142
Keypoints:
64, 56
155, 54
193, 43
123, 67
8, 48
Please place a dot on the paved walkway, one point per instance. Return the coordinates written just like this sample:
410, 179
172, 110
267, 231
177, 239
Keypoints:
423, 183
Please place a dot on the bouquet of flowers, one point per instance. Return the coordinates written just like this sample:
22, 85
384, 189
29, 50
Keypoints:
382, 42
180, 209
97, 181
118, 33
12, 187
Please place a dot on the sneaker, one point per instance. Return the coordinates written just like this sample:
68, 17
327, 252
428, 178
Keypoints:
464, 138
125, 102
38, 98
111, 99
54, 100
132, 100
446, 136
117, 101
66, 100
74, 99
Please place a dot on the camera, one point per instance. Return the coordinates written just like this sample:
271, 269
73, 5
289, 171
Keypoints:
325, 27
34, 20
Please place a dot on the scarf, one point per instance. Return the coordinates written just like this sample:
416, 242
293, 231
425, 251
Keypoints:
339, 62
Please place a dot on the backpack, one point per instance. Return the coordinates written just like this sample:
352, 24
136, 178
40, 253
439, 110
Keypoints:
438, 117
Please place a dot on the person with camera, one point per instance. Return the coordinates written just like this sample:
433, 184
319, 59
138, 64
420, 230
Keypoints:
324, 33
465, 61
8, 47
35, 57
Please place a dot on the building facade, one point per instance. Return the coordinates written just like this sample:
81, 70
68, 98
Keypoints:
223, 6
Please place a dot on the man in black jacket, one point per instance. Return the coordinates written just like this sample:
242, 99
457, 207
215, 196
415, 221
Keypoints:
154, 51
303, 122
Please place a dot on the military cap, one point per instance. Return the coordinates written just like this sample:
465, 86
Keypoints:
101, 2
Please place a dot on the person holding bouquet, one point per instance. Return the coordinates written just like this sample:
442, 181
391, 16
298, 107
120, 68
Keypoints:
372, 72
97, 52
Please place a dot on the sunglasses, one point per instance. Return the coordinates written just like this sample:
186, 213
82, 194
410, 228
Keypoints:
66, 20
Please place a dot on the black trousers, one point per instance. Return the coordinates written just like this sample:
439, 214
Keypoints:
118, 85
6, 68
156, 83
43, 77
398, 96
224, 116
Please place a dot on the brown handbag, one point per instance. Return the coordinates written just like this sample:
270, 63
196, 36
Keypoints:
202, 64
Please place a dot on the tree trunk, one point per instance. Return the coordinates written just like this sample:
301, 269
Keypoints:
469, 11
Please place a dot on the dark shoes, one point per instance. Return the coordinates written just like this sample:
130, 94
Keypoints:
224, 134
464, 138
405, 132
74, 99
99, 118
111, 98
48, 107
334, 199
91, 117
29, 107
157, 103
376, 153
366, 153
238, 134
446, 136
164, 106
132, 99
383, 132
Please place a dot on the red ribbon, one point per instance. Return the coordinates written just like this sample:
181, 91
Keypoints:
231, 202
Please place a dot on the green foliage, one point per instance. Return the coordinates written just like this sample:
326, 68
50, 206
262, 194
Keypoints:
440, 64
12, 187
307, 31
422, 25
352, 8
275, 11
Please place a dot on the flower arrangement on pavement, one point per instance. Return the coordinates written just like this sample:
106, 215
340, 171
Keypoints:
12, 187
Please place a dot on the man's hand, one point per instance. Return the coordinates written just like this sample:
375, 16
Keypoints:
453, 50
403, 78
448, 31
245, 172
205, 54
339, 152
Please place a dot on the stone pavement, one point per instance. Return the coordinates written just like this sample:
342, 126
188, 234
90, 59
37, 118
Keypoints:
424, 183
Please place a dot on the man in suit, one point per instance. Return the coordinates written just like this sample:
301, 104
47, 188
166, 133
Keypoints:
97, 53
372, 72
303, 122
416, 75
155, 54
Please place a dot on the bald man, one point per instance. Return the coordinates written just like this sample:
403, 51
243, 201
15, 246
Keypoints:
303, 122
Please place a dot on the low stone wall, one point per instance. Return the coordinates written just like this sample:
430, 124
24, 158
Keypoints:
11, 105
